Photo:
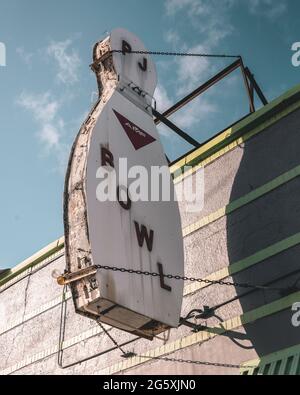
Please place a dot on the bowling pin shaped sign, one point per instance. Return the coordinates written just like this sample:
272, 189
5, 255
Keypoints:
120, 205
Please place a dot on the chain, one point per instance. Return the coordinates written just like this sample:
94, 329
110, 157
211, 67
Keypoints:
192, 279
128, 355
111, 338
161, 53
202, 363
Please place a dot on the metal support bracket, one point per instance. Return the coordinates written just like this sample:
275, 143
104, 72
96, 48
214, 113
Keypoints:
69, 278
206, 313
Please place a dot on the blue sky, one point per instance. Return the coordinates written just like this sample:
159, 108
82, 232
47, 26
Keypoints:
47, 88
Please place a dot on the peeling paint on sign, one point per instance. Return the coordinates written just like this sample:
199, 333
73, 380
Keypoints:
144, 236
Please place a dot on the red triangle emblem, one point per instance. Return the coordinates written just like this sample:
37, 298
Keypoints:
137, 136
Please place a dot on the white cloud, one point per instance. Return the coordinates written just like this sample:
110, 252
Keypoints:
50, 135
196, 7
44, 109
196, 111
211, 22
208, 17
267, 8
67, 60
51, 132
163, 101
25, 55
172, 37
190, 70
271, 8
212, 17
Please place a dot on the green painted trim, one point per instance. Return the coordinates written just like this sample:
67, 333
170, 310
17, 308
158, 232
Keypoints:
264, 254
244, 200
12, 274
270, 309
263, 190
245, 129
272, 359
246, 263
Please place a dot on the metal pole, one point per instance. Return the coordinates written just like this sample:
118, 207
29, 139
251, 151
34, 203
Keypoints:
176, 129
251, 101
256, 87
200, 90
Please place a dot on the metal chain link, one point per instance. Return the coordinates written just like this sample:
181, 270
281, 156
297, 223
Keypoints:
203, 363
110, 337
162, 53
128, 355
184, 278
176, 54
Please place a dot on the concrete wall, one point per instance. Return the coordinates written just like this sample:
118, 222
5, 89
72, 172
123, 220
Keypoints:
30, 309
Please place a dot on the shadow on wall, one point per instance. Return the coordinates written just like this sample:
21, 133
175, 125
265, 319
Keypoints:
262, 223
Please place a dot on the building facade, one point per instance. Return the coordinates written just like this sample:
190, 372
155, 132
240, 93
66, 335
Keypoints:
247, 235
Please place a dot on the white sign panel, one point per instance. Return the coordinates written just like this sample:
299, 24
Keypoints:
133, 218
